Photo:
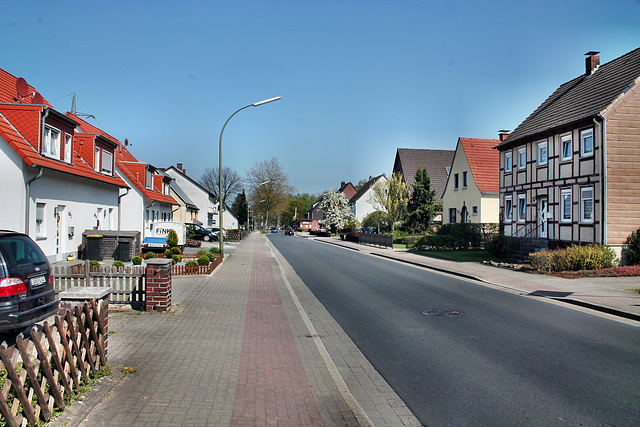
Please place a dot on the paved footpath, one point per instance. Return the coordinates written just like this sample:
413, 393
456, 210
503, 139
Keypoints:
248, 345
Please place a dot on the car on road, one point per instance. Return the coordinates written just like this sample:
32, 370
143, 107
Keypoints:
274, 230
216, 230
198, 232
26, 283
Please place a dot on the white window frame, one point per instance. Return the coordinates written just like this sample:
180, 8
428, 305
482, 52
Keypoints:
508, 162
96, 159
542, 148
107, 162
51, 142
583, 200
456, 181
522, 208
566, 211
585, 134
508, 209
464, 179
566, 141
41, 230
67, 147
522, 158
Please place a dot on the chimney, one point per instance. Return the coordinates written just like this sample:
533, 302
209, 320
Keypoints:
503, 134
179, 166
592, 62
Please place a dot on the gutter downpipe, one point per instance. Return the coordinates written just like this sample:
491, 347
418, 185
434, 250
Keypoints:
28, 198
603, 131
153, 202
40, 173
120, 207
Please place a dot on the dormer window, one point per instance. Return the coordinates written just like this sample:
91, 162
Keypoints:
68, 147
148, 179
107, 162
51, 142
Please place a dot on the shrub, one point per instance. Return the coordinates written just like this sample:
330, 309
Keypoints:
168, 253
176, 250
214, 250
202, 252
191, 263
203, 260
464, 235
94, 264
172, 238
149, 255
633, 248
574, 258
176, 259
137, 260
434, 242
117, 264
411, 241
549, 261
212, 257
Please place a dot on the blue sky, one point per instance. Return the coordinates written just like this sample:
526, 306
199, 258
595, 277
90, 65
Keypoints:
358, 79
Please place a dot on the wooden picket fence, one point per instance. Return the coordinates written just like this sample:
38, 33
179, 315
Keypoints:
40, 373
179, 270
127, 283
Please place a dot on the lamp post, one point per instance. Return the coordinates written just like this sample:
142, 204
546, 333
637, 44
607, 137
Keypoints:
220, 201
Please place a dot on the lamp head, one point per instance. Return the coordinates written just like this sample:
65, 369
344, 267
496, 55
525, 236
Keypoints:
266, 101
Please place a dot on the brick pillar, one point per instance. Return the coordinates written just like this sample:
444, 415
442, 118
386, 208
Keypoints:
158, 284
79, 295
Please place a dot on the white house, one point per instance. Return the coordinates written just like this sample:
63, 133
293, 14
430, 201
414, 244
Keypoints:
360, 203
205, 201
53, 188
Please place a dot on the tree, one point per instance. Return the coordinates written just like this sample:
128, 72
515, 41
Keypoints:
297, 206
231, 182
390, 196
240, 207
269, 189
377, 220
335, 207
421, 208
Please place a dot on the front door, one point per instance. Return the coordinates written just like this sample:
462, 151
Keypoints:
542, 218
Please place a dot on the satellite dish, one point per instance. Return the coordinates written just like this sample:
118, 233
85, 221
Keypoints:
23, 87
37, 99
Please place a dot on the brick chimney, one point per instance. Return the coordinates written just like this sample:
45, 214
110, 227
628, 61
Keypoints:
591, 62
179, 166
503, 134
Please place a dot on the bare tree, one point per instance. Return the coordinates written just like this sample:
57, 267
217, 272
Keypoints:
231, 182
269, 189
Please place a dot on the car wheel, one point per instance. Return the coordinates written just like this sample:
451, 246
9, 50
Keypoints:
207, 238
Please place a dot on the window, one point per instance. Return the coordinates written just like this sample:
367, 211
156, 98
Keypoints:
40, 230
452, 215
508, 162
464, 179
565, 147
474, 210
107, 162
586, 204
542, 153
565, 201
455, 181
51, 143
96, 159
522, 207
586, 142
148, 179
522, 158
67, 148
508, 209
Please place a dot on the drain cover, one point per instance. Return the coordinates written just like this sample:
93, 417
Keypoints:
445, 313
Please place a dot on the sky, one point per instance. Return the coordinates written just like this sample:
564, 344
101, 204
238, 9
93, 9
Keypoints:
358, 79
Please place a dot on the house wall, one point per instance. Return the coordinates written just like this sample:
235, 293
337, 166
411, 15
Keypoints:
537, 182
208, 210
489, 208
623, 167
12, 215
71, 205
132, 206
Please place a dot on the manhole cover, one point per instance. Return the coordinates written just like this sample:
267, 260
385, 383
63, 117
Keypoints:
445, 313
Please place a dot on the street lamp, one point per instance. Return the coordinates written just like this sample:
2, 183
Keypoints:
220, 201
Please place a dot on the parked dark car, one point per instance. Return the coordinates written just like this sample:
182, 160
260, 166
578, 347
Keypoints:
26, 283
200, 233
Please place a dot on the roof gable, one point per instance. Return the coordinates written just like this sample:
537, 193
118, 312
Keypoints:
365, 188
484, 162
436, 162
580, 98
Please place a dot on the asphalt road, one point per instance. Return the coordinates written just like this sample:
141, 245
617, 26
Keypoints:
496, 359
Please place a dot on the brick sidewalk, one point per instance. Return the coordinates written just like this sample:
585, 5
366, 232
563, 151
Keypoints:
238, 348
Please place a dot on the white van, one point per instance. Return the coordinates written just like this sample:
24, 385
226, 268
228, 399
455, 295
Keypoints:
158, 236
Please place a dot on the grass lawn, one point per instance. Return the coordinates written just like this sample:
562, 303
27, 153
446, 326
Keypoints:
471, 255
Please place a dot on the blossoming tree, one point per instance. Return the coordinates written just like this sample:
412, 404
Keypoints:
335, 207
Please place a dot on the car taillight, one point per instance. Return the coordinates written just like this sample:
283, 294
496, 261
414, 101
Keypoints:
12, 286
51, 276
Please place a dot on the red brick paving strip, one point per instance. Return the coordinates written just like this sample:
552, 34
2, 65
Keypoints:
272, 386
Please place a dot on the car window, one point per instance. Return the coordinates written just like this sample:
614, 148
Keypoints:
19, 251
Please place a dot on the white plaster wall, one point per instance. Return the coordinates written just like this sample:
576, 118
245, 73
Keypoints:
198, 196
132, 208
363, 206
12, 188
490, 208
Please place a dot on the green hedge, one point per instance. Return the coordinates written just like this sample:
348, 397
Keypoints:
574, 258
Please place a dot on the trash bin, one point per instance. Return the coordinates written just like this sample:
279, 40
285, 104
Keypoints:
124, 250
93, 247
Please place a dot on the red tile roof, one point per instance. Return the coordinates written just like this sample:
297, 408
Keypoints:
9, 91
134, 170
484, 162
